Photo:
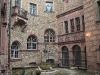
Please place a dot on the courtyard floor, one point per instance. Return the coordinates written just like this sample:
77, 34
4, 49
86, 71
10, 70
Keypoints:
64, 71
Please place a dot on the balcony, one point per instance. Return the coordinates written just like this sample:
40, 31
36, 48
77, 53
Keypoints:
3, 7
17, 11
72, 37
19, 17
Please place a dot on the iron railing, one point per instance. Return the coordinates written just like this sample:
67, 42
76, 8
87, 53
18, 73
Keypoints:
19, 11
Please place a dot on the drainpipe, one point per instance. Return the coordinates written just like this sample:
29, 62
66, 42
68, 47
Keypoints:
0, 25
9, 37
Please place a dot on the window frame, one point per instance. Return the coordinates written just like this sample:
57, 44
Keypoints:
52, 7
72, 25
97, 10
14, 50
31, 43
66, 26
47, 37
83, 23
77, 23
33, 9
17, 3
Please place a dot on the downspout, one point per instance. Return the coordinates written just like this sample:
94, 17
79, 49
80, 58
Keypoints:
9, 36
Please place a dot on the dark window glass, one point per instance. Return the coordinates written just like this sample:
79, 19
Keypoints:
17, 3
14, 50
49, 36
77, 55
33, 9
77, 23
65, 56
32, 43
66, 26
49, 6
72, 25
83, 22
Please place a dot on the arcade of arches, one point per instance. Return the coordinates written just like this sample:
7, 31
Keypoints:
75, 57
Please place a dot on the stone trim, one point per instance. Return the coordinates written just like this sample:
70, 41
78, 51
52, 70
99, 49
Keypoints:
29, 50
71, 42
15, 59
1, 53
70, 11
4, 24
42, 43
70, 33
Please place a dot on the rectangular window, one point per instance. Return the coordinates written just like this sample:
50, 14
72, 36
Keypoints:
72, 25
33, 9
49, 6
77, 23
66, 26
97, 10
17, 3
83, 22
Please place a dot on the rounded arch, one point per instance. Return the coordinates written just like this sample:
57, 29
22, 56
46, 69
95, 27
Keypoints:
49, 35
76, 55
15, 49
16, 42
65, 56
33, 35
64, 49
76, 48
49, 29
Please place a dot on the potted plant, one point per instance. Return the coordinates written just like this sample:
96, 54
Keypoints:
38, 72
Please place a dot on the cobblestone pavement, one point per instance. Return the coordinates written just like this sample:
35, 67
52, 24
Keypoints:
60, 71
66, 71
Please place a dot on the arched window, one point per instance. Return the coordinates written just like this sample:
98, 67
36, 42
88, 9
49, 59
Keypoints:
77, 55
15, 50
65, 56
49, 36
32, 43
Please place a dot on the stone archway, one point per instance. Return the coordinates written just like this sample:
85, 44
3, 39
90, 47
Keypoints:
65, 56
76, 55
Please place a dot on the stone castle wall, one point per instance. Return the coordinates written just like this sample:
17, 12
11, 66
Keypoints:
37, 24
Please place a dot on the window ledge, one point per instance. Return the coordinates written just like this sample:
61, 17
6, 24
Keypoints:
30, 50
34, 15
49, 11
16, 59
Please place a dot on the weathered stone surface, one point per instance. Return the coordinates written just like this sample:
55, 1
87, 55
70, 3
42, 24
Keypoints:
93, 41
36, 25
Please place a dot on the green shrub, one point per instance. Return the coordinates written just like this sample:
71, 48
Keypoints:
38, 71
22, 72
